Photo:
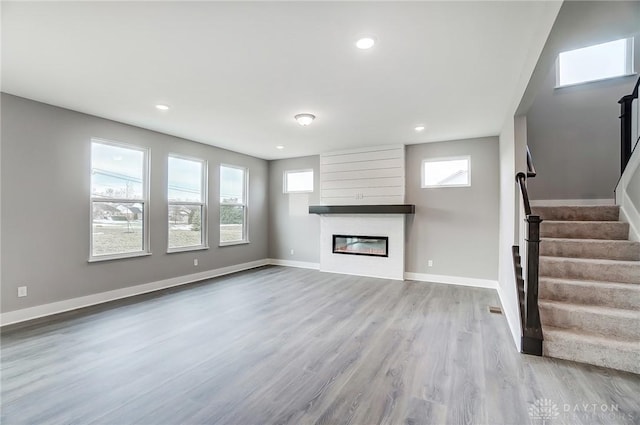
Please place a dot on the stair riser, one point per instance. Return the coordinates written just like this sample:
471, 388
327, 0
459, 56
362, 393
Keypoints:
599, 324
593, 353
598, 295
622, 250
586, 230
591, 213
622, 273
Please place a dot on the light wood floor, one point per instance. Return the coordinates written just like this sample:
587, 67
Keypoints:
290, 346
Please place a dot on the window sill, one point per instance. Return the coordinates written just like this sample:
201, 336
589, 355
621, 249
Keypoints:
187, 249
599, 80
231, 243
101, 258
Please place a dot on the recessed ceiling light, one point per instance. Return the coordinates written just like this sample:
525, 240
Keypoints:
365, 43
280, 147
419, 128
162, 107
305, 119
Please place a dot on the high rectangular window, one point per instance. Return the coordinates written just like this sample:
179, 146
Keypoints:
233, 205
296, 181
593, 63
186, 193
119, 199
446, 172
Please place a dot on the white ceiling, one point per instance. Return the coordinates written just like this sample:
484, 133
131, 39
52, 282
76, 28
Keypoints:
235, 74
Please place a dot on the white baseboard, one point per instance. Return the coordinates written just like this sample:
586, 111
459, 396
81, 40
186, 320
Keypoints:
513, 322
452, 280
30, 313
570, 202
291, 263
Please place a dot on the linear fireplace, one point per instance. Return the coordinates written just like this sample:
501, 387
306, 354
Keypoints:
373, 246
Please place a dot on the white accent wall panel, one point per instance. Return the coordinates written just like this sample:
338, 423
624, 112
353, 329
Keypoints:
389, 225
366, 176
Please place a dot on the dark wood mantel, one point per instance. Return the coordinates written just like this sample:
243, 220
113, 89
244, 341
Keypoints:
362, 209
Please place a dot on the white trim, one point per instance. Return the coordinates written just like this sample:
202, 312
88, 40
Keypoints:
423, 184
629, 214
111, 257
571, 202
285, 173
362, 150
513, 327
452, 280
30, 313
204, 203
291, 263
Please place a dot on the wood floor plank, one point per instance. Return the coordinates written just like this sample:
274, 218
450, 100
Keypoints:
280, 345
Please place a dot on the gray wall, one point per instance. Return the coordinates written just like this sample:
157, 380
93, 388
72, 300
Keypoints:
290, 224
574, 138
573, 132
457, 228
45, 206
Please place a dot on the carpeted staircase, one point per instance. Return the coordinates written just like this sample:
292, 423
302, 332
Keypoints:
589, 287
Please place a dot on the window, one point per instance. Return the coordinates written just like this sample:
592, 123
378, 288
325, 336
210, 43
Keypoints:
298, 181
186, 193
119, 176
233, 205
446, 172
606, 60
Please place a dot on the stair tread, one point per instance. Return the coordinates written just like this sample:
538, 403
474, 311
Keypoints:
593, 241
594, 283
585, 222
596, 309
551, 333
603, 261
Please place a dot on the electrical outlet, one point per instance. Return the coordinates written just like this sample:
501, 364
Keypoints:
195, 261
430, 263
22, 291
292, 252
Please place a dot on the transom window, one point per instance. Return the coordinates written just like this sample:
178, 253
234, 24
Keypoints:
593, 63
446, 172
233, 205
186, 193
297, 181
119, 199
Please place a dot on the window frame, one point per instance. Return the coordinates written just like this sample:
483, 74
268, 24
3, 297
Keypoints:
145, 201
244, 204
423, 184
204, 204
629, 63
284, 181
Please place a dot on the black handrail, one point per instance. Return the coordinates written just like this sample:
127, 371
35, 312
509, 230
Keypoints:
531, 170
626, 119
521, 178
531, 342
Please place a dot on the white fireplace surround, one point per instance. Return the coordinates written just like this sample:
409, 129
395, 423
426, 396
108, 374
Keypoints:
389, 225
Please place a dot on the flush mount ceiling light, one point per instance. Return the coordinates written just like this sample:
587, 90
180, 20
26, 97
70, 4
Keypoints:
280, 147
162, 107
305, 119
365, 43
419, 128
